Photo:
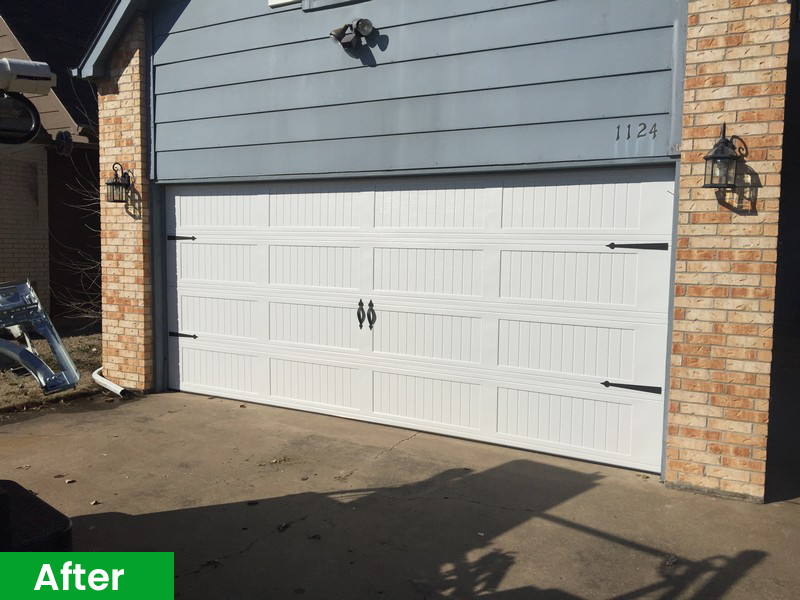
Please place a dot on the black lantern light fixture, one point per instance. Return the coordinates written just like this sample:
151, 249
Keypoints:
117, 188
722, 163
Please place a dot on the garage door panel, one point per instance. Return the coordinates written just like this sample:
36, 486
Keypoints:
315, 324
594, 276
255, 208
573, 207
602, 425
218, 209
616, 428
564, 347
329, 207
426, 399
315, 383
202, 314
218, 262
314, 266
589, 277
429, 335
567, 349
222, 371
429, 271
588, 208
440, 206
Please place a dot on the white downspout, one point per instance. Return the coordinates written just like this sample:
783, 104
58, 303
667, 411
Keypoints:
110, 386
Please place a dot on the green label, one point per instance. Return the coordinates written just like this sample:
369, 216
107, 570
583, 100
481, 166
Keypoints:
119, 575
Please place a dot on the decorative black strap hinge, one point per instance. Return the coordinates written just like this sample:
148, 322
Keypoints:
657, 246
650, 389
182, 335
181, 237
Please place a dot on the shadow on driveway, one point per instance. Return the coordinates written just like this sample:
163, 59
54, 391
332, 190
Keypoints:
431, 539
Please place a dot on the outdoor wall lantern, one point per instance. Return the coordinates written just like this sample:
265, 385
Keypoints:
117, 188
722, 163
351, 36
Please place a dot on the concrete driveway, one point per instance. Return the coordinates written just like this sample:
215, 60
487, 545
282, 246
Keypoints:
259, 502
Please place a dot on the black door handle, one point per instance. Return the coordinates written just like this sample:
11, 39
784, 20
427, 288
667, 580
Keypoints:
371, 316
360, 314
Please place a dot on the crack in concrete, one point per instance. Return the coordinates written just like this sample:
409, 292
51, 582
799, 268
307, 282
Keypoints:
387, 450
344, 478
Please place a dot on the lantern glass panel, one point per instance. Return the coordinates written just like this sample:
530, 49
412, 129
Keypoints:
721, 173
733, 167
115, 191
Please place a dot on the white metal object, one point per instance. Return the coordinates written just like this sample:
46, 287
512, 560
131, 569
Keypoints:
21, 312
25, 76
503, 304
109, 385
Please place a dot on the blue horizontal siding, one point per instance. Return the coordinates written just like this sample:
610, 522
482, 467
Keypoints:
535, 21
589, 58
251, 92
490, 108
185, 15
533, 144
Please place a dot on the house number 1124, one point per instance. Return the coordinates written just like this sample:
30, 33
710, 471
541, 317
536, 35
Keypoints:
636, 131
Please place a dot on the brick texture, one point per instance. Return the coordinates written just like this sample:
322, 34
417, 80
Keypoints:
726, 257
125, 228
24, 234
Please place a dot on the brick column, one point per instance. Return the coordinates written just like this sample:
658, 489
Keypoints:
125, 229
725, 281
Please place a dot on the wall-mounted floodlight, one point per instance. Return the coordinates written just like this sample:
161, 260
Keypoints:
351, 36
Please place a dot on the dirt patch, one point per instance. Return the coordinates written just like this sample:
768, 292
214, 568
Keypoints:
23, 393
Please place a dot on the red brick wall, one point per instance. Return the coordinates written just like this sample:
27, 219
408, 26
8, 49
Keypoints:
725, 281
24, 235
125, 228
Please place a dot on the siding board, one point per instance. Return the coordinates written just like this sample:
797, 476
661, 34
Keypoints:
196, 14
578, 59
497, 108
244, 91
299, 33
535, 144
413, 42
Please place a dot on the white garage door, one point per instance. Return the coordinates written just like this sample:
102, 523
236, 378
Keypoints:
529, 310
